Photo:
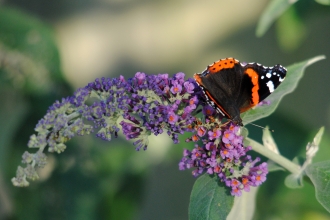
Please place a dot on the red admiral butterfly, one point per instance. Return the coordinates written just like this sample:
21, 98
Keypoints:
232, 87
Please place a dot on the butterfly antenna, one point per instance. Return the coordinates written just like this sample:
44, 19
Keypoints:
262, 127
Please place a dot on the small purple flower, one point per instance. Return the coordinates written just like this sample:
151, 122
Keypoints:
166, 89
164, 77
193, 101
237, 141
201, 131
130, 130
176, 88
258, 174
172, 118
182, 165
141, 77
186, 152
210, 170
189, 87
210, 146
228, 136
187, 110
225, 153
214, 134
122, 79
180, 77
257, 180
234, 183
208, 110
196, 153
246, 184
217, 169
234, 129
195, 138
236, 191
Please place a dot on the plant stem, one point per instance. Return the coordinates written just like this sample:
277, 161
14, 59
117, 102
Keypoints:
277, 158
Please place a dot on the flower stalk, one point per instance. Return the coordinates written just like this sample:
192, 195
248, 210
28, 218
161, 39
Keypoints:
277, 158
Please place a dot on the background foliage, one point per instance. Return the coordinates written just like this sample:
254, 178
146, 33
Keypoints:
48, 50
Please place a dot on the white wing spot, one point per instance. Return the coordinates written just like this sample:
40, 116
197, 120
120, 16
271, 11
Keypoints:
270, 85
268, 75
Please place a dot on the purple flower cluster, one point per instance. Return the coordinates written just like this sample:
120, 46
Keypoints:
158, 103
222, 153
148, 104
145, 105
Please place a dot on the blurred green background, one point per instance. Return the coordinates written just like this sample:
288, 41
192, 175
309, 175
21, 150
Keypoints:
48, 49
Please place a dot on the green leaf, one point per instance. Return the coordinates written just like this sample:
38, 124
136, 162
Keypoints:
294, 74
274, 9
209, 199
244, 205
323, 2
319, 173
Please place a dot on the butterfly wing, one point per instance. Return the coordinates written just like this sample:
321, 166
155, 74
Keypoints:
220, 83
258, 83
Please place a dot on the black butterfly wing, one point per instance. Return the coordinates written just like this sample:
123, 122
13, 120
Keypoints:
258, 83
221, 84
